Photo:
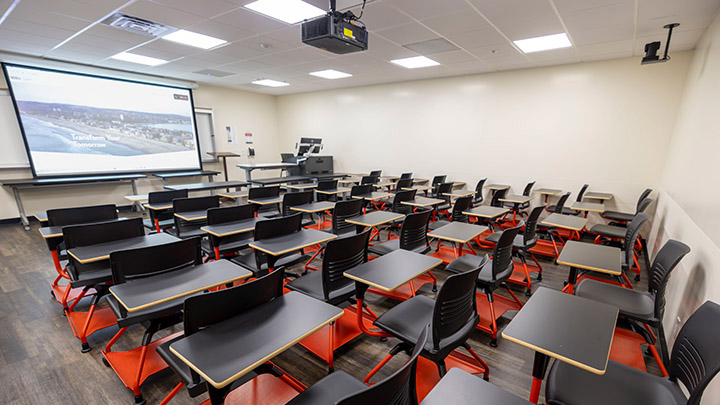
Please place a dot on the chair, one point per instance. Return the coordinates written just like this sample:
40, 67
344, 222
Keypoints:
492, 275
96, 275
331, 286
695, 360
71, 216
407, 175
413, 236
648, 307
162, 219
403, 183
218, 246
436, 182
397, 206
359, 190
369, 179
461, 205
345, 210
452, 317
497, 195
478, 196
264, 192
526, 193
202, 311
440, 193
191, 228
296, 199
340, 388
259, 263
376, 173
400, 185
611, 232
326, 185
565, 210
521, 247
134, 264
624, 217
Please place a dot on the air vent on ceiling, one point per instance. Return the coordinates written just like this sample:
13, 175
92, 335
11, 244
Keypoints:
137, 25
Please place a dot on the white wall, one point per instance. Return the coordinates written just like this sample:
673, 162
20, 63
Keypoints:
247, 112
687, 209
605, 123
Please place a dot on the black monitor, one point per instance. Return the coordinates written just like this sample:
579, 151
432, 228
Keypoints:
287, 158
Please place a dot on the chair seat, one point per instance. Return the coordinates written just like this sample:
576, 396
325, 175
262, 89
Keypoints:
165, 223
618, 216
620, 385
393, 245
518, 242
247, 261
186, 233
632, 303
311, 284
443, 207
565, 210
329, 390
438, 224
90, 277
125, 318
225, 247
408, 319
609, 230
470, 262
180, 368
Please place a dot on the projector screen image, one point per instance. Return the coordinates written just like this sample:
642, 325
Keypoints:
76, 124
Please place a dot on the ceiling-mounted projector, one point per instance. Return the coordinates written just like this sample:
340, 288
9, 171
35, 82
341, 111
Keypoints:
336, 32
651, 49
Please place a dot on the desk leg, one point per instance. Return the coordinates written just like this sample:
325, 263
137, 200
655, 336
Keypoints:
572, 280
136, 205
539, 368
360, 289
248, 175
21, 210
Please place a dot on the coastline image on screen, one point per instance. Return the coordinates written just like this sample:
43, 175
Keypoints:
76, 124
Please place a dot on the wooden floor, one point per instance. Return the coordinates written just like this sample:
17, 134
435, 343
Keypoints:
41, 362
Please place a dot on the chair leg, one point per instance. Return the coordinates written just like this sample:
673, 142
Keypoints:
377, 368
493, 323
528, 292
442, 368
331, 345
486, 374
172, 394
532, 256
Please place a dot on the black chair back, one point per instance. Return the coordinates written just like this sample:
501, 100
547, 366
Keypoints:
143, 262
80, 215
160, 197
376, 173
406, 176
502, 264
495, 202
221, 215
369, 179
530, 231
398, 389
361, 189
327, 185
341, 255
582, 192
345, 210
400, 196
439, 179
263, 192
665, 262
455, 312
442, 189
181, 205
403, 183
271, 228
643, 205
462, 204
478, 196
632, 233
643, 196
413, 232
294, 200
528, 188
695, 358
561, 202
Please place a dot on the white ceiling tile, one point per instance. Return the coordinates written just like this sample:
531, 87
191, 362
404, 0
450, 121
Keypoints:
681, 41
451, 57
382, 48
382, 15
426, 9
606, 48
219, 58
257, 43
291, 35
202, 8
26, 12
220, 30
406, 34
305, 54
606, 34
104, 31
37, 29
559, 54
615, 55
70, 8
240, 52
692, 15
465, 20
169, 49
476, 39
98, 43
475, 66
250, 21
559, 61
158, 13
520, 19
617, 13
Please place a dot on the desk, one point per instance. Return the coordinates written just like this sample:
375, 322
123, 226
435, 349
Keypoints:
315, 208
231, 228
375, 195
574, 330
547, 192
42, 218
101, 251
333, 191
418, 188
249, 167
208, 186
144, 293
458, 183
159, 207
456, 232
276, 247
224, 156
459, 387
460, 193
496, 187
349, 180
487, 212
302, 186
208, 173
597, 196
373, 220
20, 184
271, 181
423, 202
50, 232
391, 178
570, 223
196, 215
234, 195
136, 198
516, 199
387, 273
420, 181
588, 207
588, 256
266, 200
226, 351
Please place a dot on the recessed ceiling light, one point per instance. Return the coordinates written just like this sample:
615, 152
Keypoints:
289, 11
330, 74
135, 58
545, 43
270, 83
415, 62
194, 39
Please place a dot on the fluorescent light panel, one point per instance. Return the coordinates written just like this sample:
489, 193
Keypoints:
270, 83
194, 39
415, 62
139, 59
289, 11
330, 74
545, 43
